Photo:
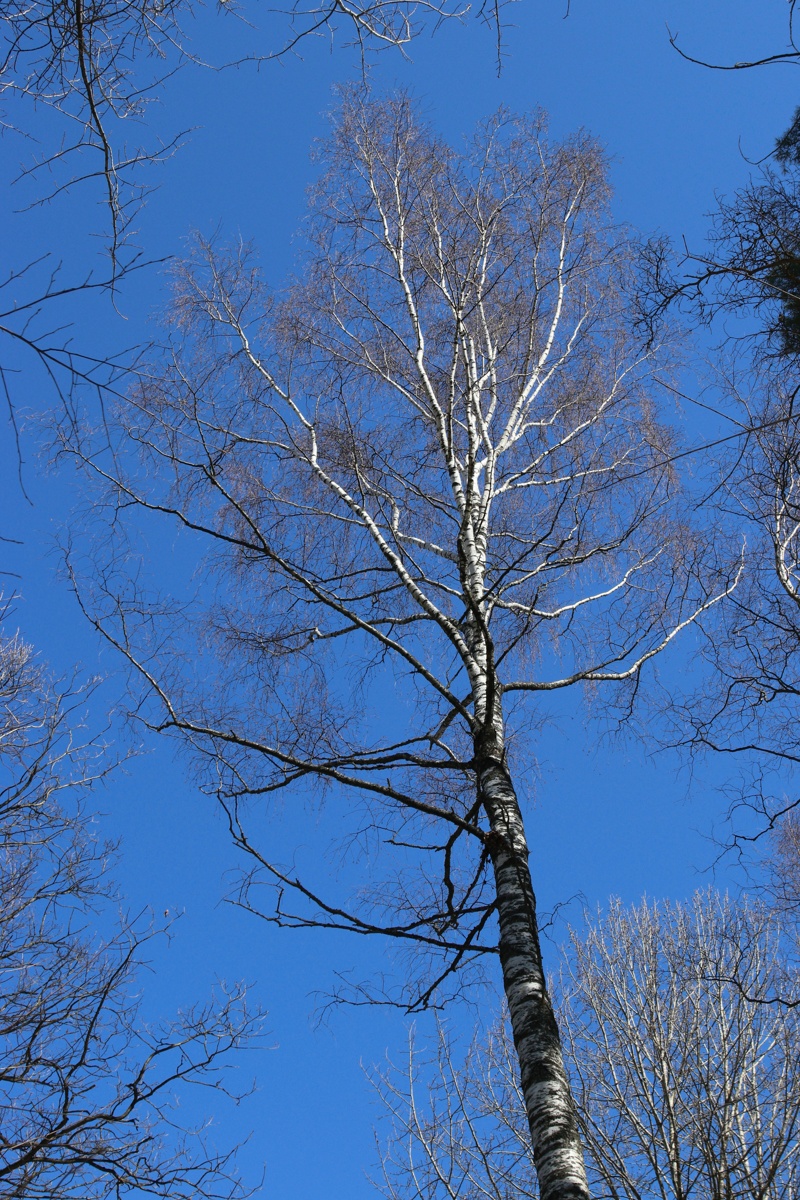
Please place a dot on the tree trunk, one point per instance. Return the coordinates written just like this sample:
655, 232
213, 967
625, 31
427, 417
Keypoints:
548, 1099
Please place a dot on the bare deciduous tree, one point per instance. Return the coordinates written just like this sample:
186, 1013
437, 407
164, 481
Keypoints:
751, 265
748, 705
686, 1076
88, 1090
783, 863
86, 63
750, 277
432, 485
456, 1122
99, 65
74, 85
687, 1073
77, 83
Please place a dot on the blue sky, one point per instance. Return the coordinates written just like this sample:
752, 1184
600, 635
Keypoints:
677, 135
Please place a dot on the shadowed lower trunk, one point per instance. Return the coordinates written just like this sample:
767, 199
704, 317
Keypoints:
548, 1100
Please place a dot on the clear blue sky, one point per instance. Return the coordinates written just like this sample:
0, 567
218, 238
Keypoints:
678, 135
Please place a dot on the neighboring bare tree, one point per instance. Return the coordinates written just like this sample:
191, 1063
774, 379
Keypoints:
749, 705
77, 82
784, 865
688, 1080
751, 267
86, 64
74, 86
749, 276
432, 485
457, 1123
88, 1091
686, 1076
99, 66
748, 283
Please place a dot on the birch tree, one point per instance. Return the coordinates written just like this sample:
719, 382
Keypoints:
686, 1068
431, 489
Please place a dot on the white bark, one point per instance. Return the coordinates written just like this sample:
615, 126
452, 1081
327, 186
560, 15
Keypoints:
548, 1101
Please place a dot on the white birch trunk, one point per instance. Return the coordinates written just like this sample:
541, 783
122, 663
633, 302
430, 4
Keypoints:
548, 1099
